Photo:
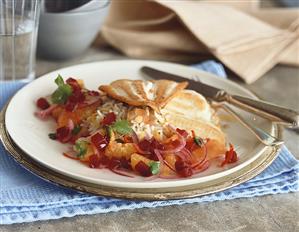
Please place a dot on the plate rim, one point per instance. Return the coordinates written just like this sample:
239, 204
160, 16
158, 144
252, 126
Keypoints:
93, 63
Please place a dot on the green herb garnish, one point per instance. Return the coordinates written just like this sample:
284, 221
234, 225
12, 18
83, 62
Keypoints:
198, 141
59, 80
52, 136
81, 148
62, 93
154, 167
122, 127
76, 130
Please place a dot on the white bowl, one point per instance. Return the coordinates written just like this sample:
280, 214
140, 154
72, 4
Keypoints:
66, 35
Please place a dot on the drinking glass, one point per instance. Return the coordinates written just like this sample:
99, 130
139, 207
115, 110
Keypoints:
18, 34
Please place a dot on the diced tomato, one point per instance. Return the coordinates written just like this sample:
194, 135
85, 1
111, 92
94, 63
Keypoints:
144, 145
183, 169
70, 106
77, 96
63, 134
125, 163
143, 169
105, 160
99, 141
157, 145
114, 163
109, 119
94, 161
73, 83
230, 156
42, 103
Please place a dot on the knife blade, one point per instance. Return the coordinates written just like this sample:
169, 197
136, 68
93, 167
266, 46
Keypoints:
267, 110
206, 90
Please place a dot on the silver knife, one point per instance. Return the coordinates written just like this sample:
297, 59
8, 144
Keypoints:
264, 109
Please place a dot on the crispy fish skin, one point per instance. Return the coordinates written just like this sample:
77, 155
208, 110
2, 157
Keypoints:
155, 94
190, 104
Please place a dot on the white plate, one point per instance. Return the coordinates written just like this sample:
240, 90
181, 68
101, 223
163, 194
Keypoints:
31, 134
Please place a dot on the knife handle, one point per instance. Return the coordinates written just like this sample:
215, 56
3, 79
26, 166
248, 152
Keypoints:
266, 110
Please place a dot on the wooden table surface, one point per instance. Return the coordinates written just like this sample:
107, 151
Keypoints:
268, 213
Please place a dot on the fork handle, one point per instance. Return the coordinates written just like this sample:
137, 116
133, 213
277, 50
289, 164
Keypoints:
266, 110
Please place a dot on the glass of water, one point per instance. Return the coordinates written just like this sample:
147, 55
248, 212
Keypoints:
18, 34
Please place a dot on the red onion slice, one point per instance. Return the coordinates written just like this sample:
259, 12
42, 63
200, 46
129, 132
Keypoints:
182, 144
141, 151
43, 114
169, 166
123, 172
135, 137
186, 153
203, 159
71, 154
204, 166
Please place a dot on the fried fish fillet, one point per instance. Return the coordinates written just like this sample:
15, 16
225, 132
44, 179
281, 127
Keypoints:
189, 110
155, 94
190, 104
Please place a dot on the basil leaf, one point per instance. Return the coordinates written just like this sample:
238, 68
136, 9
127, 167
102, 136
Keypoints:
59, 80
81, 148
154, 167
122, 127
76, 130
198, 141
62, 93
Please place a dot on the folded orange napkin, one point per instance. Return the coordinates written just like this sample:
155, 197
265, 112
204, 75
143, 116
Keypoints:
239, 35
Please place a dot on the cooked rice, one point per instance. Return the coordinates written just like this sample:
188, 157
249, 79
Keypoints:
121, 110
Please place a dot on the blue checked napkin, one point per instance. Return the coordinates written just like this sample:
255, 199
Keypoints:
25, 197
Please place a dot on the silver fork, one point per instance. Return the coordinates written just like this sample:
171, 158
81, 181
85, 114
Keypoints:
263, 136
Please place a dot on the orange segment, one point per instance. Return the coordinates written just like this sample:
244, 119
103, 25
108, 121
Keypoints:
90, 152
214, 149
119, 150
166, 171
65, 116
135, 158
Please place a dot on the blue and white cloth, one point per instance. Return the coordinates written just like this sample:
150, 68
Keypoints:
25, 197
